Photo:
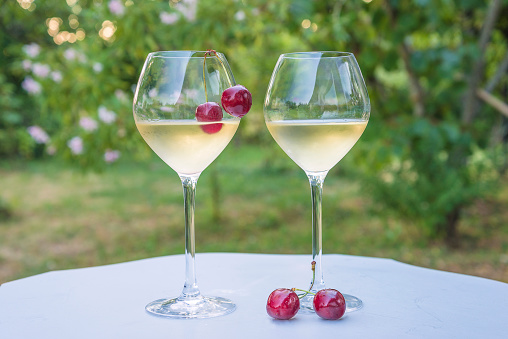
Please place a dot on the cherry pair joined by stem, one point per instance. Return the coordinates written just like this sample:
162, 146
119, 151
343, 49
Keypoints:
236, 100
284, 303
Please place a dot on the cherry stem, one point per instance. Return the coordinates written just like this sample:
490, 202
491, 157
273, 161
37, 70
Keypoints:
204, 77
303, 295
313, 263
311, 285
209, 52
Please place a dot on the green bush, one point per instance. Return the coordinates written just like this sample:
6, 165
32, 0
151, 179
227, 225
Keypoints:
68, 69
427, 173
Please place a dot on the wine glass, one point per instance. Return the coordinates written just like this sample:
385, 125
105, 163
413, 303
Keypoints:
170, 88
316, 108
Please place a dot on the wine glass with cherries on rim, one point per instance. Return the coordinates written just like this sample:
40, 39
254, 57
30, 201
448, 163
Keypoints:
177, 112
316, 108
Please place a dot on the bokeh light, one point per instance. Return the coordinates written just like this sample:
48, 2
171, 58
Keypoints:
107, 31
80, 34
73, 21
306, 23
27, 4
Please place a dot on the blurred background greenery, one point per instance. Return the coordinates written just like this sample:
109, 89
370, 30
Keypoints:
425, 184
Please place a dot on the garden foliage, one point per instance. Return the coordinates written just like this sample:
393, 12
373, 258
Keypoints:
69, 68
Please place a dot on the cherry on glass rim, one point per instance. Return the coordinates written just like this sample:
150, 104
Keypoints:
329, 304
282, 304
209, 112
236, 100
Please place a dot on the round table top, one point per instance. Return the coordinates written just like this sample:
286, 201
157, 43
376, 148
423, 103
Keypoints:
400, 300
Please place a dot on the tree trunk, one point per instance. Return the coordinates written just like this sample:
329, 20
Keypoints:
448, 228
471, 100
415, 87
451, 225
470, 109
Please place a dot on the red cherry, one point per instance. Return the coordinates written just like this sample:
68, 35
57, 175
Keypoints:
282, 304
211, 128
236, 100
329, 304
207, 112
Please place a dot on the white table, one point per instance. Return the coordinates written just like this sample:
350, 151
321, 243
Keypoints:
400, 300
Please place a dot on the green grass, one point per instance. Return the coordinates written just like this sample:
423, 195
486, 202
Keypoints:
64, 218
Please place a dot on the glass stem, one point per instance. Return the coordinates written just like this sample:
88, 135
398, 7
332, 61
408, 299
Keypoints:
190, 289
316, 180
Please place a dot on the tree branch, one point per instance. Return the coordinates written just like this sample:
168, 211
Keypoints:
492, 101
415, 87
417, 92
471, 101
501, 71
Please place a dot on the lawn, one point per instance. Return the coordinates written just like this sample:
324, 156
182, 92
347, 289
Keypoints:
251, 199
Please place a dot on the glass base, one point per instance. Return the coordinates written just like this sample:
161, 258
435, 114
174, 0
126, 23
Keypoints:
202, 307
352, 303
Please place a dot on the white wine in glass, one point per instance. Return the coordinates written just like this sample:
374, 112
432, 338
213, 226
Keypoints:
316, 108
183, 145
168, 110
316, 145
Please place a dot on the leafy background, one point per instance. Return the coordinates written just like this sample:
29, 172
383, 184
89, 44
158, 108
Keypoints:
436, 71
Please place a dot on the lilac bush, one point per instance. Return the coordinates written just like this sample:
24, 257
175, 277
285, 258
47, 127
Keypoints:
80, 72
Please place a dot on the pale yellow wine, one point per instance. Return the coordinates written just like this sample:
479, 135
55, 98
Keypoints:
316, 145
184, 145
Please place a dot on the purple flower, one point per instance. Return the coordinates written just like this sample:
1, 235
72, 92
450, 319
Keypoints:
31, 86
32, 50
111, 155
97, 67
81, 57
40, 70
240, 16
70, 54
38, 134
167, 109
76, 145
120, 95
88, 124
106, 115
26, 64
188, 9
153, 93
116, 7
192, 93
175, 97
168, 18
56, 76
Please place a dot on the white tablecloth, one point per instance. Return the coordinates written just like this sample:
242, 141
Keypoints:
400, 300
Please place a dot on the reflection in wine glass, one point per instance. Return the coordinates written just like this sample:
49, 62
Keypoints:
171, 87
316, 108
